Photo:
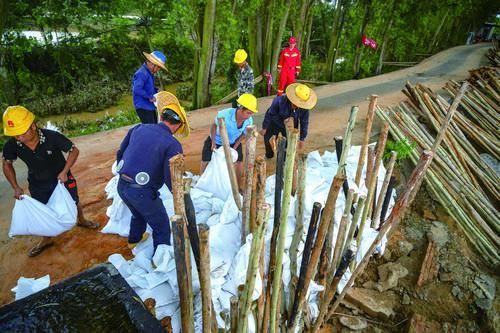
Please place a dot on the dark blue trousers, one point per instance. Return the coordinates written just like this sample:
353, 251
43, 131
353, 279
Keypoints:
147, 208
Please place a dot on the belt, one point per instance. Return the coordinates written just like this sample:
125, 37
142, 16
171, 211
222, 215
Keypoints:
130, 181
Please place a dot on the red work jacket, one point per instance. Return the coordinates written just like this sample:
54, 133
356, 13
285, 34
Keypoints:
290, 59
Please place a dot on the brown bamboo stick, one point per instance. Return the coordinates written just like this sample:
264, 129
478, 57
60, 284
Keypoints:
206, 290
383, 190
183, 267
292, 138
299, 212
326, 218
176, 171
373, 179
366, 139
234, 313
306, 255
253, 267
229, 163
250, 145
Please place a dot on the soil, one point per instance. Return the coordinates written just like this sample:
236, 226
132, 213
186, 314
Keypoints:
79, 248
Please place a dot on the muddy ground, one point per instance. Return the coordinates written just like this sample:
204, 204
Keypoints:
455, 297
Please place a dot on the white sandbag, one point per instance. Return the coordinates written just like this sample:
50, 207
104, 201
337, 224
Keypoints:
28, 286
31, 217
215, 179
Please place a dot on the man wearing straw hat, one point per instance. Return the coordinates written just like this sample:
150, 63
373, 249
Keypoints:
245, 74
143, 165
295, 103
237, 120
42, 151
143, 87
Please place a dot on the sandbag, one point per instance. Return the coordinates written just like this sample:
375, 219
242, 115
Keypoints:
215, 179
31, 217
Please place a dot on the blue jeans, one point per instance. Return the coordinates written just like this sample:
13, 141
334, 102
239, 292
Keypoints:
147, 208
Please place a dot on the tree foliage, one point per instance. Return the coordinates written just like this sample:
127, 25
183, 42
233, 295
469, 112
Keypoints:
102, 41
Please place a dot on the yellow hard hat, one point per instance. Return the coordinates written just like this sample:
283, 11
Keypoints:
17, 120
167, 100
240, 56
248, 101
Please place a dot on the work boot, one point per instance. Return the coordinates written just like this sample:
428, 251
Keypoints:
133, 245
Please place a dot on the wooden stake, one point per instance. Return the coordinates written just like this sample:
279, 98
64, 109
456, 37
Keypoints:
229, 162
280, 163
376, 215
204, 274
176, 172
292, 137
234, 313
366, 139
326, 218
306, 254
250, 144
253, 267
299, 212
183, 267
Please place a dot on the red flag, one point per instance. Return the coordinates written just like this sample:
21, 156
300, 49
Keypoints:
369, 42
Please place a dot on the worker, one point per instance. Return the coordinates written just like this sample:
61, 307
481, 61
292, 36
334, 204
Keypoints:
288, 65
42, 151
237, 120
295, 103
245, 74
143, 87
143, 165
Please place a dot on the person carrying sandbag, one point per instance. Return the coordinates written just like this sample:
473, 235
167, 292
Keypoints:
42, 151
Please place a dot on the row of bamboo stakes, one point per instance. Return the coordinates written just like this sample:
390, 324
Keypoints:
464, 184
273, 311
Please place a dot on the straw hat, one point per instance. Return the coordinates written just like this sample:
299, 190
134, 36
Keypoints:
157, 58
166, 100
301, 95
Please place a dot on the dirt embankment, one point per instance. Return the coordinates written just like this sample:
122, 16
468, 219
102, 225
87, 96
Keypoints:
79, 248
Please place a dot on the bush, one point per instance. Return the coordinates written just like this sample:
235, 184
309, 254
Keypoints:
184, 91
403, 147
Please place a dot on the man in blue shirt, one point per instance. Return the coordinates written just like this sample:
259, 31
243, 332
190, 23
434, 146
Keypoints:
295, 103
143, 87
143, 165
237, 120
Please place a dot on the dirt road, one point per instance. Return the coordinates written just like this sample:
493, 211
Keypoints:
79, 248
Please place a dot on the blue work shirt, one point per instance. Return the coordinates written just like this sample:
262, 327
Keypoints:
148, 148
281, 109
143, 88
233, 131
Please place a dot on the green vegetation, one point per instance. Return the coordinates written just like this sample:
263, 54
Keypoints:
403, 147
90, 68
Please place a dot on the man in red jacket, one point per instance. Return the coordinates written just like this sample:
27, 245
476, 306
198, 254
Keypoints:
289, 65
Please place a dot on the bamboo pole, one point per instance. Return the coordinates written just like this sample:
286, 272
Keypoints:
366, 139
260, 200
280, 163
376, 216
176, 171
253, 267
354, 222
292, 137
183, 267
398, 212
306, 254
250, 144
339, 244
326, 218
229, 162
234, 313
373, 179
299, 215
204, 275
